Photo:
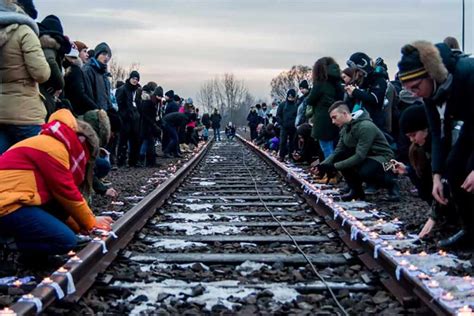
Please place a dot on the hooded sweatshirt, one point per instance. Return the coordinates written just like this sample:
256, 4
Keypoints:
363, 137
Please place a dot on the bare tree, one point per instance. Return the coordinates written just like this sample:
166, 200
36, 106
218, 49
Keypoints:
205, 96
119, 72
289, 80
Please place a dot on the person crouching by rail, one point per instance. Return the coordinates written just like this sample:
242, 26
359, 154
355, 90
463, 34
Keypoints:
360, 153
51, 167
230, 131
414, 124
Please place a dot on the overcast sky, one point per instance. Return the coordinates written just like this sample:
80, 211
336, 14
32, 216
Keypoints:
182, 43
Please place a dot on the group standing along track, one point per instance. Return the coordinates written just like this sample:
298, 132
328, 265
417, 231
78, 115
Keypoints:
234, 236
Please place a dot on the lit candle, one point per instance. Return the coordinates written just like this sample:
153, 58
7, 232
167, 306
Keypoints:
403, 262
97, 239
28, 296
412, 267
464, 311
442, 253
447, 297
62, 270
407, 253
75, 259
467, 278
423, 276
400, 235
7, 311
47, 280
434, 270
71, 253
422, 254
374, 235
398, 254
433, 284
389, 247
17, 283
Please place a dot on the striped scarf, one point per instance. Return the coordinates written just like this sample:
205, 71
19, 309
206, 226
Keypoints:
78, 151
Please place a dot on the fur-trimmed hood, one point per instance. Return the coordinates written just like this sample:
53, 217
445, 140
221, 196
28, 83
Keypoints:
88, 132
49, 42
11, 13
431, 58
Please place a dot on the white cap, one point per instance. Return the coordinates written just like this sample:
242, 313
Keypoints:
74, 52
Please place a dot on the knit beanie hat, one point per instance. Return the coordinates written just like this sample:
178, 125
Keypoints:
291, 93
360, 61
177, 98
134, 74
422, 59
102, 48
80, 45
304, 84
413, 119
410, 66
158, 92
51, 25
170, 94
99, 121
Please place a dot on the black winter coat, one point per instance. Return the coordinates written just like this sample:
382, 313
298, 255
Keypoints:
206, 120
459, 98
125, 98
286, 114
148, 112
76, 92
253, 119
371, 95
216, 120
98, 84
171, 107
176, 119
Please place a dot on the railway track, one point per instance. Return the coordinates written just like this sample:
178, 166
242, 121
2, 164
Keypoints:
227, 232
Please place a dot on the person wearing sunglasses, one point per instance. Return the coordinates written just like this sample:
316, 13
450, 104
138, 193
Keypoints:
446, 84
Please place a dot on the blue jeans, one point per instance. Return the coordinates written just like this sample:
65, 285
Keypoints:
37, 232
217, 134
12, 134
327, 146
172, 148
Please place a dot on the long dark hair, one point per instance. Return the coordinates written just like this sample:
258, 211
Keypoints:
320, 68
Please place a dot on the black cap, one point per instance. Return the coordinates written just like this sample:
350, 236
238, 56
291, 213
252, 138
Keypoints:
413, 119
304, 84
102, 48
134, 74
170, 94
291, 93
360, 61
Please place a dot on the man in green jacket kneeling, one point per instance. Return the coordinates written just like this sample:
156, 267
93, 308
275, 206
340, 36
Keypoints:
360, 154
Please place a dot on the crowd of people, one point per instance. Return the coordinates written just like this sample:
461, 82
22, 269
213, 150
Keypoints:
362, 127
64, 125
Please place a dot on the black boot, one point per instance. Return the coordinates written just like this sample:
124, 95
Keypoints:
461, 239
394, 192
353, 195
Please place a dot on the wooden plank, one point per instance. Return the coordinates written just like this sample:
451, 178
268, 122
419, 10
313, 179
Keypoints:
320, 259
261, 239
234, 197
241, 224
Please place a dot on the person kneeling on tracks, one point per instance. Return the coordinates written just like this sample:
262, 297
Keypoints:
50, 167
360, 153
414, 124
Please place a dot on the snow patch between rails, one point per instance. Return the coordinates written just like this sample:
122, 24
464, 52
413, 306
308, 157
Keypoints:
177, 244
248, 267
198, 207
202, 228
193, 217
206, 183
167, 266
215, 293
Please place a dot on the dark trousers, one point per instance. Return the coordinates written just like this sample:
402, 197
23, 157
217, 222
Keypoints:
287, 141
129, 142
173, 140
369, 171
253, 133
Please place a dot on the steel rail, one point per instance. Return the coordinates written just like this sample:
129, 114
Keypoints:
406, 289
92, 259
